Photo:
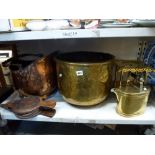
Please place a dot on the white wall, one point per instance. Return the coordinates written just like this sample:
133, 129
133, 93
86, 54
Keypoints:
122, 48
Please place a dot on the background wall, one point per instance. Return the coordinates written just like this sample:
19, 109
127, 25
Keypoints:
122, 48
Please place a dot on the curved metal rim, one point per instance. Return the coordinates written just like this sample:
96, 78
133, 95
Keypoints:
140, 93
84, 63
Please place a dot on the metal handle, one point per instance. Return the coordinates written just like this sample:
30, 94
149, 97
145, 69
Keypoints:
7, 62
141, 84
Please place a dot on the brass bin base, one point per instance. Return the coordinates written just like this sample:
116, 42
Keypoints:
86, 103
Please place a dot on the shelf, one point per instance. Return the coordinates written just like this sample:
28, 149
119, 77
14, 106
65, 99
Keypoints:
103, 113
127, 32
78, 33
53, 34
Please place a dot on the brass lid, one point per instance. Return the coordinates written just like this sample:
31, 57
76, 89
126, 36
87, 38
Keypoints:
133, 66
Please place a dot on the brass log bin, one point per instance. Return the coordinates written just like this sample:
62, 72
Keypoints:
84, 78
132, 93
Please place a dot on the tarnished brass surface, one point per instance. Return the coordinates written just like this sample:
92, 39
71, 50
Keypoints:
133, 66
131, 101
84, 84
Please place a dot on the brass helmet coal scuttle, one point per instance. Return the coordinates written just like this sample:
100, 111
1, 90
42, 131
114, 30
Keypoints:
130, 88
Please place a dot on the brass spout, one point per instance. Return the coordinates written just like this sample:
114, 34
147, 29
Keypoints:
115, 90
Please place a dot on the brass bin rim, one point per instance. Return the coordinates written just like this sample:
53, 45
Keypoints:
110, 58
83, 63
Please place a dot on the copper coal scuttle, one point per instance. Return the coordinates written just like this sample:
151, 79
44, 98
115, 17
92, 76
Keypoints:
33, 74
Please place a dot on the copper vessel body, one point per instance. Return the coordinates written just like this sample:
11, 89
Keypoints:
37, 78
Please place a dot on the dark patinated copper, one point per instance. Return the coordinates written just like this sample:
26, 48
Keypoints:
35, 76
48, 113
28, 104
30, 107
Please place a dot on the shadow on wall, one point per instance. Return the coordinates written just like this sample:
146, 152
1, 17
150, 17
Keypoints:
119, 47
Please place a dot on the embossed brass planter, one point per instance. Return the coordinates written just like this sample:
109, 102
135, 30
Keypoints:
84, 78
